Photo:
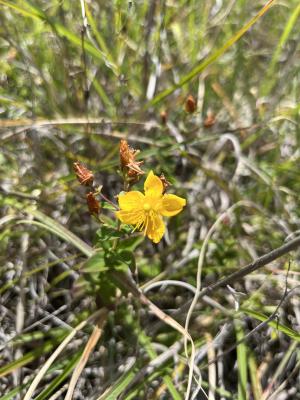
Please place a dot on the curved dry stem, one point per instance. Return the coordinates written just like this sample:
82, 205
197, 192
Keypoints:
168, 282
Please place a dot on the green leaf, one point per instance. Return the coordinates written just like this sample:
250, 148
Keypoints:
127, 261
95, 264
107, 232
107, 289
130, 243
108, 206
254, 375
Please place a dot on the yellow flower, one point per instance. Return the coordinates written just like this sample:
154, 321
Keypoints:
145, 211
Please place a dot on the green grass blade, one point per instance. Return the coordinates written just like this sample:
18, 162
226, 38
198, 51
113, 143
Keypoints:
241, 362
36, 13
217, 54
96, 53
57, 232
269, 81
110, 109
25, 13
36, 270
58, 229
280, 327
12, 394
145, 341
135, 393
60, 378
120, 385
254, 376
27, 358
56, 382
99, 38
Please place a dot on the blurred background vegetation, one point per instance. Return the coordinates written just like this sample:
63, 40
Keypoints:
76, 77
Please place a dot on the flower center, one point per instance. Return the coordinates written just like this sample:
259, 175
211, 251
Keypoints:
147, 207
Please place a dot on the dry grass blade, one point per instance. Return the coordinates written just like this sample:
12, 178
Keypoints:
95, 336
212, 371
14, 123
57, 352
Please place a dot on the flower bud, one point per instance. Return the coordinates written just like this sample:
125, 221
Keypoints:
84, 176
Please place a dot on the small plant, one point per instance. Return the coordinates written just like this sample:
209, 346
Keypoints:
137, 211
143, 211
98, 274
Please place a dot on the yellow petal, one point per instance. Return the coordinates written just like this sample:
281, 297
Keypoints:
153, 185
131, 217
171, 205
155, 227
131, 201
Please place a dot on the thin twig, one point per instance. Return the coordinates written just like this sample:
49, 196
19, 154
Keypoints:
259, 326
256, 264
236, 276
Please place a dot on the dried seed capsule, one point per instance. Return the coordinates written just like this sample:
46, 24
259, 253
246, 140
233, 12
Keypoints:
190, 104
210, 120
84, 176
125, 154
165, 183
163, 117
128, 164
93, 203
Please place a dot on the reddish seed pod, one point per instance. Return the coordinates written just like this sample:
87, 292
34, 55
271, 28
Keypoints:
93, 203
210, 120
226, 220
163, 117
84, 176
190, 104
